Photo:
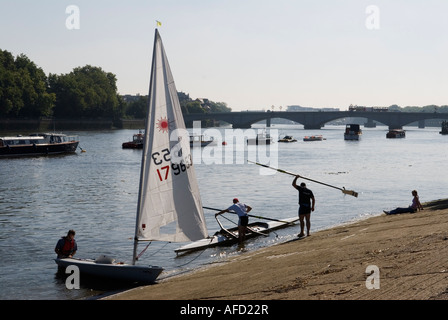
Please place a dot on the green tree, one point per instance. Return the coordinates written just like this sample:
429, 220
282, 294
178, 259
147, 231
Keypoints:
85, 92
219, 107
23, 88
36, 98
137, 109
194, 107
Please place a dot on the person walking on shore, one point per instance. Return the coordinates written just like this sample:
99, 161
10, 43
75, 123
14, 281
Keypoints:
414, 207
306, 205
241, 210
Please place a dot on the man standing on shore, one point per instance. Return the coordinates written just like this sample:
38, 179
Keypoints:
306, 205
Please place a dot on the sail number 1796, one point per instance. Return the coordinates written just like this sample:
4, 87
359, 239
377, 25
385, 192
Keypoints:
164, 156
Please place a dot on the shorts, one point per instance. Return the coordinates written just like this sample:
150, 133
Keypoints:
304, 210
243, 221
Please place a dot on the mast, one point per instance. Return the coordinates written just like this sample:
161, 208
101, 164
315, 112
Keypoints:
145, 147
168, 192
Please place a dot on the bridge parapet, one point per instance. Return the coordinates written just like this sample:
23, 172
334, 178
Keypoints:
317, 119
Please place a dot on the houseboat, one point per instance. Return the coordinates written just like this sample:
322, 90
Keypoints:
396, 133
38, 144
352, 132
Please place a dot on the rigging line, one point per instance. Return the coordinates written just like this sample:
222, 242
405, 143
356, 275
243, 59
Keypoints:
202, 251
229, 220
182, 265
185, 271
143, 251
154, 253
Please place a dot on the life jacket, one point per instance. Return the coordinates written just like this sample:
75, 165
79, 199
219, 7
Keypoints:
68, 247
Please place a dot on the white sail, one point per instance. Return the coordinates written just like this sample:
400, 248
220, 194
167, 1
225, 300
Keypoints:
169, 204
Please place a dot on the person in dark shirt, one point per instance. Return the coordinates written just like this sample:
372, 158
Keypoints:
66, 246
306, 205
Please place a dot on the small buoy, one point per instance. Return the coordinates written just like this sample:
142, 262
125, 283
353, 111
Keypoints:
224, 143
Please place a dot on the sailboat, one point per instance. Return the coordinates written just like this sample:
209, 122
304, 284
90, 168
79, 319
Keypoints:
169, 206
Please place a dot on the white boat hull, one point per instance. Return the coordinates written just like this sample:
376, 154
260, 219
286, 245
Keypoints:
117, 271
221, 238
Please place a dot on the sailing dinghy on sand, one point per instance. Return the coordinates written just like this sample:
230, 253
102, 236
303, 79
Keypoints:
169, 205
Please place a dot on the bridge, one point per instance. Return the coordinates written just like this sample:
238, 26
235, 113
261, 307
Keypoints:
317, 119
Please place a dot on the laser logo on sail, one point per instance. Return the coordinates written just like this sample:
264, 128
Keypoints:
163, 125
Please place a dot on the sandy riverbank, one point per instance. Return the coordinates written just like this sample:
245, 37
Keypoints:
410, 252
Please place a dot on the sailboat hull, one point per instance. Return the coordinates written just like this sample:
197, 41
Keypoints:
117, 271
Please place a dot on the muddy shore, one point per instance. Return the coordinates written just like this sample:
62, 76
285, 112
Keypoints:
386, 257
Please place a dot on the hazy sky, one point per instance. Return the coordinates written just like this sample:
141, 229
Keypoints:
250, 54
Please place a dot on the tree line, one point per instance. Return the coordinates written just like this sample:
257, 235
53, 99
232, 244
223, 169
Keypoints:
86, 92
89, 92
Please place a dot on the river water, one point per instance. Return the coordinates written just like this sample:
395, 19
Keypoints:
95, 193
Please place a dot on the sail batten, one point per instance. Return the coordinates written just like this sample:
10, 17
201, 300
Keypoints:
169, 207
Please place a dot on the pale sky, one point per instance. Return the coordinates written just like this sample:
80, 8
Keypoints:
250, 54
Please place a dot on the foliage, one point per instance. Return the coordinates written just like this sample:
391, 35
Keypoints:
136, 106
85, 92
428, 109
23, 88
90, 92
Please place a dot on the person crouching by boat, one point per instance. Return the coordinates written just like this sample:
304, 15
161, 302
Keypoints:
414, 207
306, 205
66, 246
241, 210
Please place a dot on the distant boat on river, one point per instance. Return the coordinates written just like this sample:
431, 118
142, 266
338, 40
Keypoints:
314, 138
444, 128
261, 138
38, 144
200, 141
352, 132
396, 133
136, 143
287, 139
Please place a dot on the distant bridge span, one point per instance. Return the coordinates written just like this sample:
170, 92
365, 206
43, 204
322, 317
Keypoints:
317, 119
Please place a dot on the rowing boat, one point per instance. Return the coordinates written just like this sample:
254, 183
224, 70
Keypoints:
226, 237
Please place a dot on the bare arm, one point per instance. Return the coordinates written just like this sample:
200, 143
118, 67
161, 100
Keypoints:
419, 205
221, 212
294, 182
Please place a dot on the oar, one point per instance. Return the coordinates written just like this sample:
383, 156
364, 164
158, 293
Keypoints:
350, 192
250, 215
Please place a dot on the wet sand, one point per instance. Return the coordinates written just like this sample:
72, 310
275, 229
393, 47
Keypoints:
408, 254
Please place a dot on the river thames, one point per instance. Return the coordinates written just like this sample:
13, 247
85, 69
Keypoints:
95, 193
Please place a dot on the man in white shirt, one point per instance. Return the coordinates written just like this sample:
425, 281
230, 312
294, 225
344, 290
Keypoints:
241, 210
